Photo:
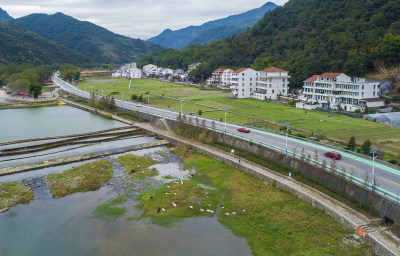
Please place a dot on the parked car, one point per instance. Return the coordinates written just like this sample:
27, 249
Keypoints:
243, 129
334, 155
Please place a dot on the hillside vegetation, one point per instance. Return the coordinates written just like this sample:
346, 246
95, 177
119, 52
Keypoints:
19, 45
212, 30
100, 44
4, 17
306, 37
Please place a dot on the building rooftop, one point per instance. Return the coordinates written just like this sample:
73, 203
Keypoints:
312, 79
273, 69
240, 70
330, 75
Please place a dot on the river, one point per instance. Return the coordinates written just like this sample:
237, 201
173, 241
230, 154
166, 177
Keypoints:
65, 226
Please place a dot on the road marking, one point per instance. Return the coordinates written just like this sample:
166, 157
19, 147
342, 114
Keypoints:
350, 165
391, 181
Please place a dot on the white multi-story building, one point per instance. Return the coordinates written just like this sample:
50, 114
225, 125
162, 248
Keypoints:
134, 73
243, 82
340, 92
147, 69
271, 83
193, 66
220, 77
130, 65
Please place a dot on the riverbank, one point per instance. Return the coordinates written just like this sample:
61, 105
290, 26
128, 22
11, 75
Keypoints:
4, 95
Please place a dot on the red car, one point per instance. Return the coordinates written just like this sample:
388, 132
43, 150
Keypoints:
335, 155
243, 129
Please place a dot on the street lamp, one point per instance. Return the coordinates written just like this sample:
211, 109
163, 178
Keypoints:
373, 151
181, 107
148, 104
102, 90
122, 99
225, 120
130, 83
287, 128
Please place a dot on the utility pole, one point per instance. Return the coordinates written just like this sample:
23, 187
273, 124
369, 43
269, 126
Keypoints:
287, 127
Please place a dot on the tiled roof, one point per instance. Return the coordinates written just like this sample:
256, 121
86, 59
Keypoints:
274, 69
240, 70
312, 79
330, 75
220, 70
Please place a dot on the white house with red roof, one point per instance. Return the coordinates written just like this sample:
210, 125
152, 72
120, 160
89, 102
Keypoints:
272, 82
220, 77
243, 83
340, 92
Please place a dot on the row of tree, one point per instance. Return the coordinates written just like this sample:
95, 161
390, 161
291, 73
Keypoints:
24, 78
70, 73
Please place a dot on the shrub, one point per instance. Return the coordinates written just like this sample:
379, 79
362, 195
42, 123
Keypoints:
200, 112
393, 161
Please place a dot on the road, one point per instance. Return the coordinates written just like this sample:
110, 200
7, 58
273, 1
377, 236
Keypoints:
387, 179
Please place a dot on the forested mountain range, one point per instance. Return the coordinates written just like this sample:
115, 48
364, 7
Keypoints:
305, 37
19, 45
212, 30
95, 42
4, 17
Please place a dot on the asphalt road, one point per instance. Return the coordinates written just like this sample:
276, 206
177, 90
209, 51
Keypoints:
386, 177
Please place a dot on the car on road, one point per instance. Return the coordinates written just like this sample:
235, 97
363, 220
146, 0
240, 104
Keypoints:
138, 105
332, 154
243, 129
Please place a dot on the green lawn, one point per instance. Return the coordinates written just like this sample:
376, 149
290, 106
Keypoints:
335, 126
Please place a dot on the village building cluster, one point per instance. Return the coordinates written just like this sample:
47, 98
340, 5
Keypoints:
336, 91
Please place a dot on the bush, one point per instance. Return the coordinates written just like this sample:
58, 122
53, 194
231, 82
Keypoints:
366, 147
200, 112
357, 111
393, 161
352, 143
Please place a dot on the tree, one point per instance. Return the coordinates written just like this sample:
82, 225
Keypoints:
366, 147
35, 89
352, 143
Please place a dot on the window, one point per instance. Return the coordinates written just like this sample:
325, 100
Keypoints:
283, 91
242, 74
243, 79
250, 89
270, 85
272, 91
373, 92
250, 78
242, 90
250, 84
362, 94
242, 84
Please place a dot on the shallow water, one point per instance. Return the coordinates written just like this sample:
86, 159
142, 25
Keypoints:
64, 226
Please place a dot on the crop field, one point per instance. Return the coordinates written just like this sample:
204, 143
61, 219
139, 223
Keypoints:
212, 102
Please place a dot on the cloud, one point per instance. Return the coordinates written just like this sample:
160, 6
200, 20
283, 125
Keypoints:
136, 18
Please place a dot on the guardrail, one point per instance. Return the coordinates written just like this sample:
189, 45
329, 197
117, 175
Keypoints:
354, 179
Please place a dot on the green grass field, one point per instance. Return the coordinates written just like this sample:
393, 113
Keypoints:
386, 139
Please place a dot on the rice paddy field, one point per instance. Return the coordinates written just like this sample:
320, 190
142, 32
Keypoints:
212, 102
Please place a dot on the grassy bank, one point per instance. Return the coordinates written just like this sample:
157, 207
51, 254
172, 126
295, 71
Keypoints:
273, 221
110, 211
87, 177
12, 193
136, 167
189, 197
27, 105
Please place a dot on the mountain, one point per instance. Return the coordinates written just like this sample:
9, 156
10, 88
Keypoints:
212, 30
87, 38
4, 17
305, 37
19, 45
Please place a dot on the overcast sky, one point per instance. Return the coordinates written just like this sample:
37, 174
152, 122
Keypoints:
136, 18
